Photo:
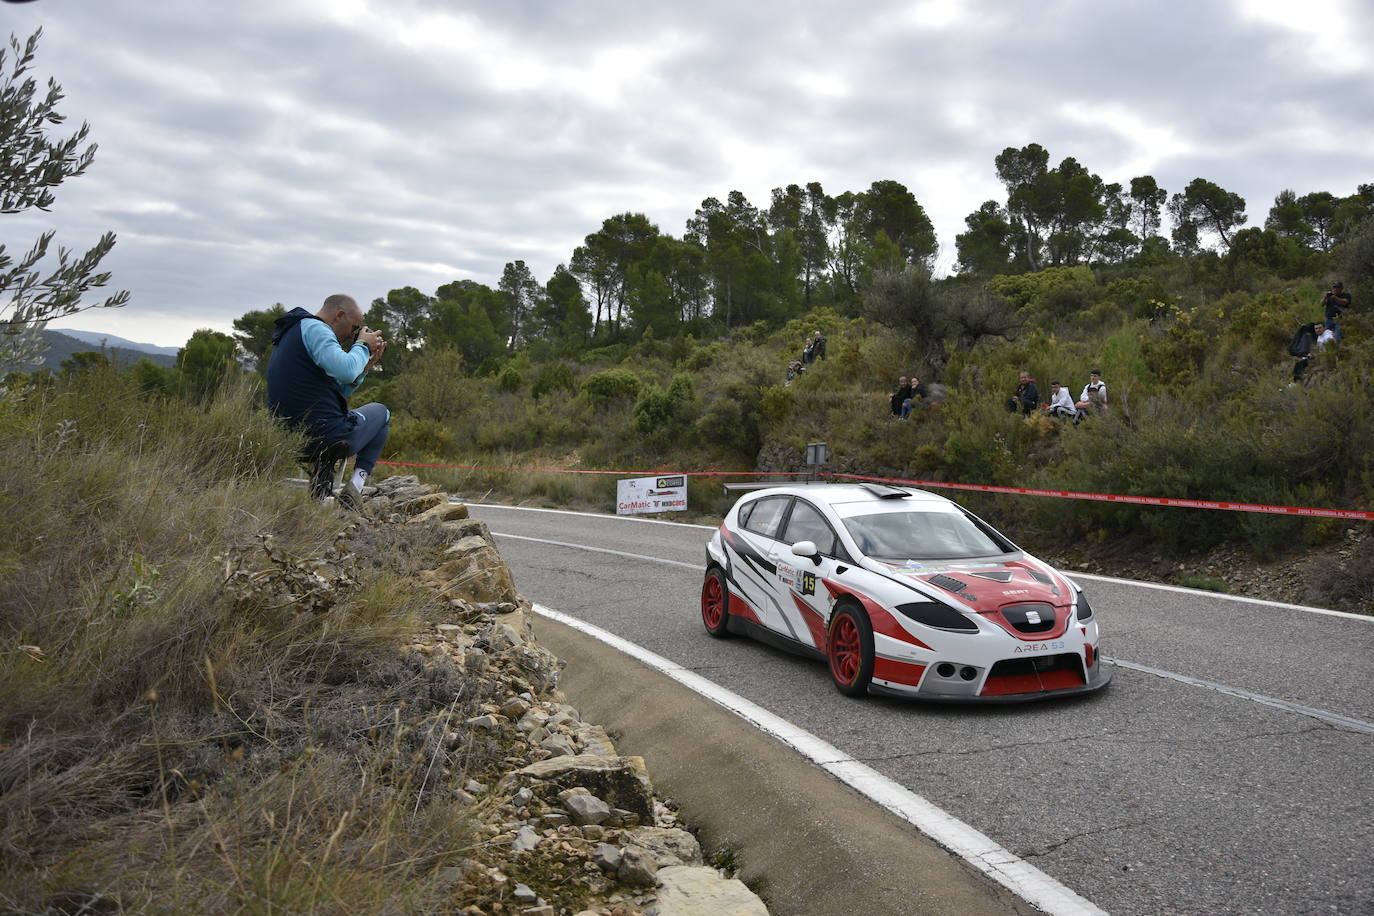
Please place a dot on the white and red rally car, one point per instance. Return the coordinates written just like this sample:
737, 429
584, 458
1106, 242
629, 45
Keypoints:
901, 592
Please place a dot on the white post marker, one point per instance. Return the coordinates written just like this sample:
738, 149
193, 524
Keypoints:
643, 495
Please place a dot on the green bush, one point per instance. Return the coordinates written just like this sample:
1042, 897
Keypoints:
510, 379
554, 377
610, 386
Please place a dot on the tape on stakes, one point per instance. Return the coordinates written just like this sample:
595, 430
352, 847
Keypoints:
1166, 501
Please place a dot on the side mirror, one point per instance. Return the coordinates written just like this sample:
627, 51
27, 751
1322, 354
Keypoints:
807, 549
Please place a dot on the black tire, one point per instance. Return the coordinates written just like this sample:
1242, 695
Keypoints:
715, 603
849, 650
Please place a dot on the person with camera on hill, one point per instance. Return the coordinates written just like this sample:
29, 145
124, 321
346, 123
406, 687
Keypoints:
1336, 301
317, 362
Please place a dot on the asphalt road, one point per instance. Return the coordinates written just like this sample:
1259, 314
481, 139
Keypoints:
1155, 796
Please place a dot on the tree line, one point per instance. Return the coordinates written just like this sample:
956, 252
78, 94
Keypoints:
737, 263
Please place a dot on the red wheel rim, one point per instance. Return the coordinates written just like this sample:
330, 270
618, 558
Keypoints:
845, 653
712, 602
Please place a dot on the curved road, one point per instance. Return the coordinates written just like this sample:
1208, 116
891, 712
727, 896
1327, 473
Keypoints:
1227, 769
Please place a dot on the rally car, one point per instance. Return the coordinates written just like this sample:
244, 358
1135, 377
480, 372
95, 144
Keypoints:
901, 592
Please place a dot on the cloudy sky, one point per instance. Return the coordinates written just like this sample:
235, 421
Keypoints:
264, 151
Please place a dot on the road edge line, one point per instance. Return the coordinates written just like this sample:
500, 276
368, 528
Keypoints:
980, 851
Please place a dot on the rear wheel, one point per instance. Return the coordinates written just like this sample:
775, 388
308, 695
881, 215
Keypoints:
715, 599
849, 648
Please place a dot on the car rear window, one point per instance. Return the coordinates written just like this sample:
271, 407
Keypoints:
921, 536
766, 516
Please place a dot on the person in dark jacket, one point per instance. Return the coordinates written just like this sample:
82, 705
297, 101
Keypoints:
1334, 303
1303, 346
317, 362
900, 396
1027, 396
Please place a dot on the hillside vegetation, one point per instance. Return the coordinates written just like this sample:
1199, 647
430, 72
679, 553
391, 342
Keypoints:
203, 705
651, 351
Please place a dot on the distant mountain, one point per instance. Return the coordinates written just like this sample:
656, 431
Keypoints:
62, 344
95, 337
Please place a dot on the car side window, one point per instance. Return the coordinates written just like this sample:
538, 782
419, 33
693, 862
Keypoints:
766, 517
807, 524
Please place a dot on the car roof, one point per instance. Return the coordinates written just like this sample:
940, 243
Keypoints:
848, 499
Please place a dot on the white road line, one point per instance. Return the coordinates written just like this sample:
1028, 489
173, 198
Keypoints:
617, 518
1358, 725
980, 851
1332, 718
618, 553
1241, 598
1081, 575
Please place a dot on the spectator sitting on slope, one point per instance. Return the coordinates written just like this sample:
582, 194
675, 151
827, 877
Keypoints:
1094, 396
900, 396
918, 390
1027, 396
1325, 335
1061, 405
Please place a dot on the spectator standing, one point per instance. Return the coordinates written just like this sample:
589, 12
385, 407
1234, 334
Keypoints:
808, 354
1094, 396
1061, 405
1027, 396
317, 362
900, 396
818, 346
1336, 301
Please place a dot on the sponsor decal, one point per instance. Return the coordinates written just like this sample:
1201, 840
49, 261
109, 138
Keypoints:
787, 575
1033, 647
670, 482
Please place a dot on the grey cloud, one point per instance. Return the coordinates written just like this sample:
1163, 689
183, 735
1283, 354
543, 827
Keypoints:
297, 156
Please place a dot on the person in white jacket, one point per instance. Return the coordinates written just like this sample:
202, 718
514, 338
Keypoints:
1061, 404
1094, 394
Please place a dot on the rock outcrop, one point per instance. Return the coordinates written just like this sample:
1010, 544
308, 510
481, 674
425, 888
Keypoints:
571, 826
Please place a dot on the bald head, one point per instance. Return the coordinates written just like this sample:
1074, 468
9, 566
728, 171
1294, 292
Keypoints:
343, 316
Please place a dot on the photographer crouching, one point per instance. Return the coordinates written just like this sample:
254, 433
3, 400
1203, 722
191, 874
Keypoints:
317, 362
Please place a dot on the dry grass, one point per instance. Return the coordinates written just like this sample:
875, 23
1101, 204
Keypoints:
202, 706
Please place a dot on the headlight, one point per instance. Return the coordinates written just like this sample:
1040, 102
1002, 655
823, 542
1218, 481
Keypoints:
935, 614
1085, 610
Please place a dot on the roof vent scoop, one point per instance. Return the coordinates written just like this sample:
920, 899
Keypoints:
885, 492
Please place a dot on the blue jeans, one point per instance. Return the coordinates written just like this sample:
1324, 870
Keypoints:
372, 423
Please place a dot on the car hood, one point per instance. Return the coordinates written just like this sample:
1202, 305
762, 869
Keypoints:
985, 586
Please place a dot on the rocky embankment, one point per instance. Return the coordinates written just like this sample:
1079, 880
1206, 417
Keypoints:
565, 824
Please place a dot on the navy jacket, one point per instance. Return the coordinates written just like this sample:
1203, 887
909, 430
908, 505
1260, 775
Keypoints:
300, 392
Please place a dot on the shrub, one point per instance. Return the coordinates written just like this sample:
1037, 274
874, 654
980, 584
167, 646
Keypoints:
610, 386
510, 379
554, 377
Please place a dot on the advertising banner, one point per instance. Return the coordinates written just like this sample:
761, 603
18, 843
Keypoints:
643, 495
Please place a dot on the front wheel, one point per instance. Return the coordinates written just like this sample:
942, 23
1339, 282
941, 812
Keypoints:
715, 600
849, 648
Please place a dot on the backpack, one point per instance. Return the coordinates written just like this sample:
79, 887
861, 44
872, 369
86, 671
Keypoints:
1303, 341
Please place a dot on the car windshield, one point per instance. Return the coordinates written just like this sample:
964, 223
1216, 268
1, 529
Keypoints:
921, 536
